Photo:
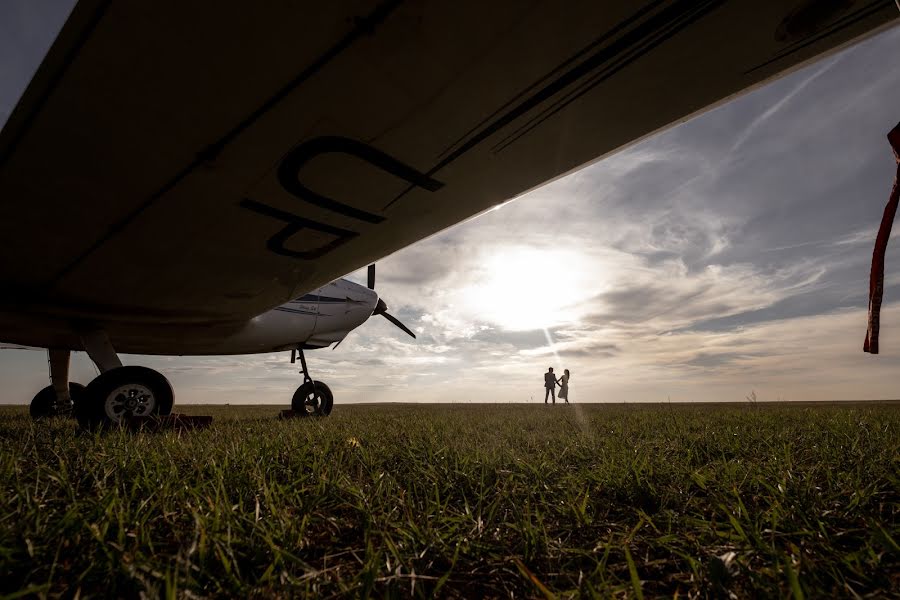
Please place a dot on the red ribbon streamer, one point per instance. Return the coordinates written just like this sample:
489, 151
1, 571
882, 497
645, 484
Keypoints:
876, 275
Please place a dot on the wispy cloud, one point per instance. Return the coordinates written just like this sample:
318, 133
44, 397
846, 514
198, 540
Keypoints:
801, 84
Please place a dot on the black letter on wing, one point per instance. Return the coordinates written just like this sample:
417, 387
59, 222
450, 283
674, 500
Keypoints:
289, 170
294, 225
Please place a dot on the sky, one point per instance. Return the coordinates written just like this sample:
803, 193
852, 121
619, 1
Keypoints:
725, 256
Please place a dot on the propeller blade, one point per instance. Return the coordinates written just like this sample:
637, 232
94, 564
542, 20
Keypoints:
381, 307
396, 322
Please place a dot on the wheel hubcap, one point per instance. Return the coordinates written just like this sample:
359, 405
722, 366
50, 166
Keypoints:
313, 403
132, 399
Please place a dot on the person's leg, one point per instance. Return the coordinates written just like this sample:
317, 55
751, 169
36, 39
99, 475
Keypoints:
546, 394
553, 395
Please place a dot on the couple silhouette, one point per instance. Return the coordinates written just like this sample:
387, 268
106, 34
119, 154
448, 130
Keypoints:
550, 383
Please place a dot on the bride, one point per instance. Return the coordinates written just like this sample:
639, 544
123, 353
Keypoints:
564, 386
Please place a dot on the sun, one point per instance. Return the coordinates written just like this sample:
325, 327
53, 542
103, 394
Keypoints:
520, 288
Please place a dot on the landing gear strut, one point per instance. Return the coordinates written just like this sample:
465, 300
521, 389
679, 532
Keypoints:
112, 397
312, 398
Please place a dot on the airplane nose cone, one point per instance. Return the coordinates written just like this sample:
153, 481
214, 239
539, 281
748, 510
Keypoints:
380, 308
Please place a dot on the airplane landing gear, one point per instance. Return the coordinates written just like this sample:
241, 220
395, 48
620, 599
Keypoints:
119, 392
58, 398
312, 398
124, 392
45, 404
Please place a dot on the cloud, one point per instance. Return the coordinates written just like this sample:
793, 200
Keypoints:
798, 87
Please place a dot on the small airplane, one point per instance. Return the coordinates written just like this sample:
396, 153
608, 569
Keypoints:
181, 180
316, 320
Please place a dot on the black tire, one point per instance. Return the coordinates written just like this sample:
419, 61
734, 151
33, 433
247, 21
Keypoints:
122, 392
313, 400
43, 405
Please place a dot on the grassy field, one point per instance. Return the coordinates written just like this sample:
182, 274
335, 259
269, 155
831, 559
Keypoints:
461, 501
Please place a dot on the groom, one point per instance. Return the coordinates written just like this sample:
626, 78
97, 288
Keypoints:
549, 385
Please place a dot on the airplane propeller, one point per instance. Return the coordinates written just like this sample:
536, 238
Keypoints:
381, 307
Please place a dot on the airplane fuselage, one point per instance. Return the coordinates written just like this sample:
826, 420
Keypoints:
315, 320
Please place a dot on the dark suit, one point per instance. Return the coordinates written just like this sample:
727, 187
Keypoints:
549, 386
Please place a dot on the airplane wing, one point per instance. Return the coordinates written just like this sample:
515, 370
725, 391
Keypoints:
4, 346
193, 161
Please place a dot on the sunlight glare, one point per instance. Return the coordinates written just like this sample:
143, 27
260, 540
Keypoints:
519, 288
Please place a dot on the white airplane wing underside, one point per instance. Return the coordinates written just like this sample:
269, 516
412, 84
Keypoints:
191, 161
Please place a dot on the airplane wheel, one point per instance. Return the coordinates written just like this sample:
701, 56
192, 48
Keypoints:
121, 392
43, 405
313, 400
